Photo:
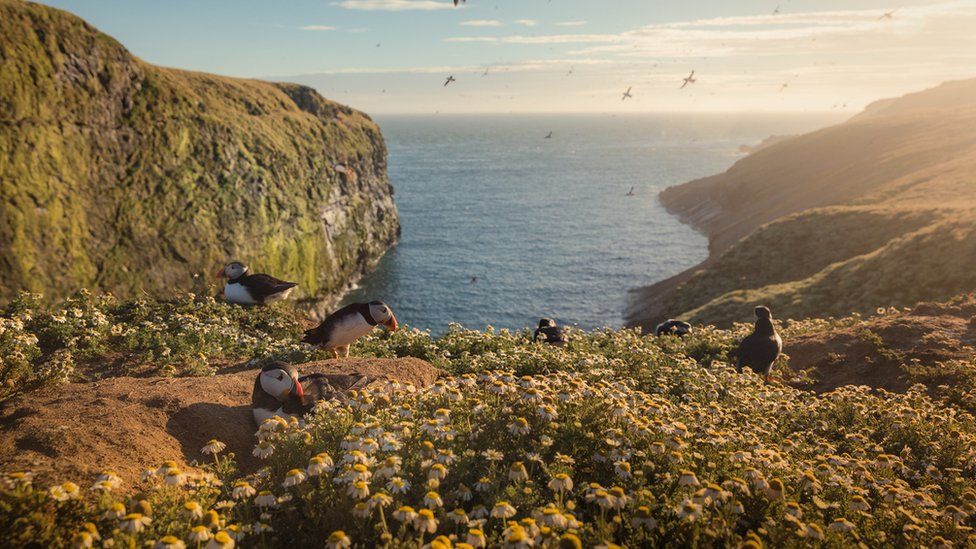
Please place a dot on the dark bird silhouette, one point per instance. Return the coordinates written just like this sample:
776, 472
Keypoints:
549, 135
671, 326
630, 192
776, 11
888, 15
627, 94
474, 279
760, 349
547, 329
689, 80
449, 80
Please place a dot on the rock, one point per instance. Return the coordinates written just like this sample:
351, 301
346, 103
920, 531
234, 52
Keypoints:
74, 431
122, 176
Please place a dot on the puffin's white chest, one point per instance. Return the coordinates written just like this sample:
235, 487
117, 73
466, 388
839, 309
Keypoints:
236, 293
349, 329
261, 415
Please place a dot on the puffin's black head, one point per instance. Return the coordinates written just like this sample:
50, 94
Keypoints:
382, 314
547, 323
762, 312
280, 380
232, 270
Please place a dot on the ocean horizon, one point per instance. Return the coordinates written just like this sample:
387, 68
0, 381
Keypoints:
503, 226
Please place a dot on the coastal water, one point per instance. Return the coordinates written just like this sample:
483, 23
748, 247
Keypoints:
502, 226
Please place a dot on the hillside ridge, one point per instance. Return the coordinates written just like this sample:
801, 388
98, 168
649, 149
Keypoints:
890, 189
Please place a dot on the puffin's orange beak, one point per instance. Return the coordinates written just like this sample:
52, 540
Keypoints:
391, 324
220, 272
299, 391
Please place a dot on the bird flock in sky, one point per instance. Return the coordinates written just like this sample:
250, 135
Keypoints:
685, 82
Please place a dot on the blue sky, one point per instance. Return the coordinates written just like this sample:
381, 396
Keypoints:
560, 55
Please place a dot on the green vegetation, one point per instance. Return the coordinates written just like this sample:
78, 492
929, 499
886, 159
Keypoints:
130, 178
850, 259
615, 438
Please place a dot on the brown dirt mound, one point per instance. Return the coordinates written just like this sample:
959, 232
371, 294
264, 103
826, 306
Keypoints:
75, 431
879, 351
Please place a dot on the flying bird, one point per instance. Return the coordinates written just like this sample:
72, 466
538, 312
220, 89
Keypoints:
888, 15
630, 192
549, 135
627, 94
449, 80
689, 80
775, 11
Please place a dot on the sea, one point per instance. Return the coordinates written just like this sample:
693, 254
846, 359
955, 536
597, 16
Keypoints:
503, 226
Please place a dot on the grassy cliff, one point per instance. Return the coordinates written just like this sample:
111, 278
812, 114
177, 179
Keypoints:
879, 209
119, 175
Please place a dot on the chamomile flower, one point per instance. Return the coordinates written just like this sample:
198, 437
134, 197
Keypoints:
65, 491
338, 540
502, 510
265, 499
174, 476
293, 478
424, 521
192, 510
263, 450
213, 447
133, 523
476, 538
170, 542
242, 490
517, 472
561, 483
221, 540
433, 500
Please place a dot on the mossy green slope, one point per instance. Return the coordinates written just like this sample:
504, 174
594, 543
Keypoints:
119, 175
879, 209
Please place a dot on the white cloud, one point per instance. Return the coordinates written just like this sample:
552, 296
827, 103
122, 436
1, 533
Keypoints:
570, 23
526, 22
461, 39
318, 28
395, 5
481, 23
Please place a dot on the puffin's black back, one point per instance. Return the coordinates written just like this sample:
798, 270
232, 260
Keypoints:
760, 349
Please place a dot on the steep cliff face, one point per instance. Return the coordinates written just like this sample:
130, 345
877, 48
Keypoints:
123, 176
879, 209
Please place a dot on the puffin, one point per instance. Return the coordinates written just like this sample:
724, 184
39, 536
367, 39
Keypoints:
252, 289
343, 327
550, 331
280, 391
671, 326
760, 349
